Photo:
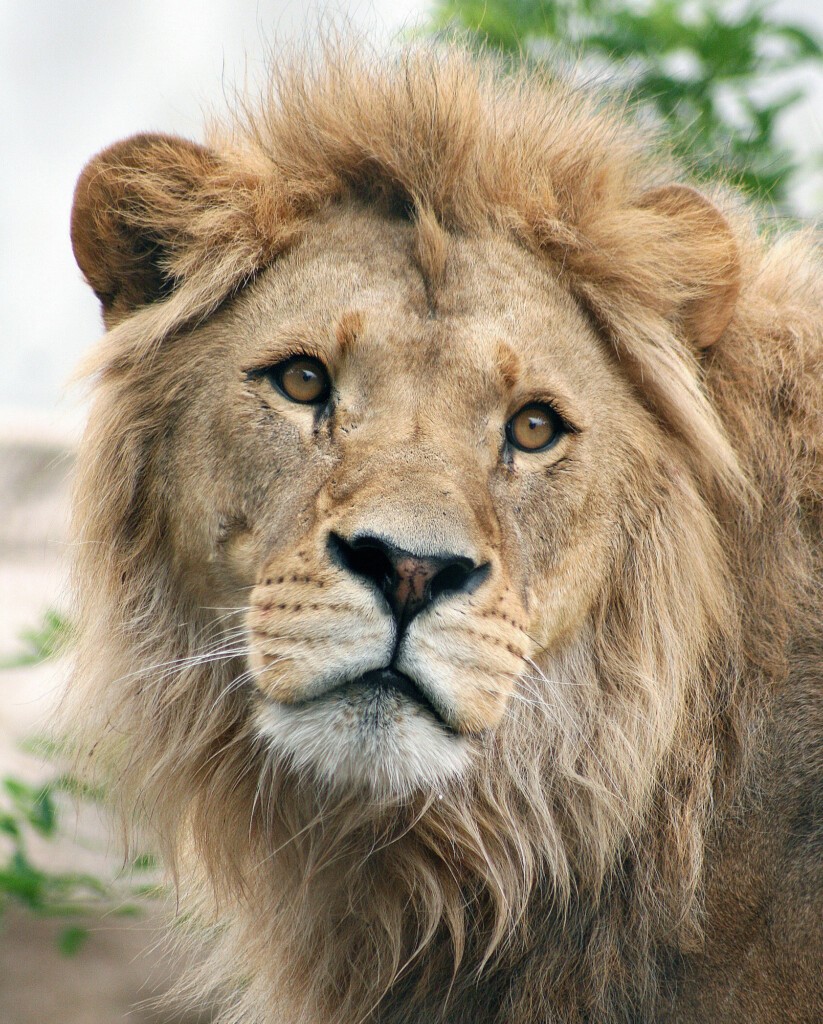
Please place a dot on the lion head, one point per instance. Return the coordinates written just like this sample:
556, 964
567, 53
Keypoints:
409, 520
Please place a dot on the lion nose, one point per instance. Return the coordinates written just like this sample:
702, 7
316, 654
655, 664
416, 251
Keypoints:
410, 582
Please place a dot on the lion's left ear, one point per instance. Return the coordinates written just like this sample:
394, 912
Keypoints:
139, 211
702, 256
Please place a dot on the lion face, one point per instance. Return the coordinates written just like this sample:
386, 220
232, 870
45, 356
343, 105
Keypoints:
405, 490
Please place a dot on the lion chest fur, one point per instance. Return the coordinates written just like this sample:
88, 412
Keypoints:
446, 518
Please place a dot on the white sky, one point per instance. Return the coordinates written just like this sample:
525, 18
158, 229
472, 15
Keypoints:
76, 75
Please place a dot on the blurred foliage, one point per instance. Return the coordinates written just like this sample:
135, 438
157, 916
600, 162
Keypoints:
44, 641
711, 72
27, 811
30, 815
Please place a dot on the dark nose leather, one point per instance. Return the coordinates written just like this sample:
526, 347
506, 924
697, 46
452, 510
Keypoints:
409, 582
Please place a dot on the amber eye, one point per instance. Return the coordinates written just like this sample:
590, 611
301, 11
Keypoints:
302, 379
534, 428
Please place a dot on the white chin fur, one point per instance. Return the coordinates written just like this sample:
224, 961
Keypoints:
370, 740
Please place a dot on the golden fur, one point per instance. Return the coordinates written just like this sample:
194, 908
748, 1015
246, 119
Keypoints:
577, 845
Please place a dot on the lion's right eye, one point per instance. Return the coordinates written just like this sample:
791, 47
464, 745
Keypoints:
535, 428
302, 379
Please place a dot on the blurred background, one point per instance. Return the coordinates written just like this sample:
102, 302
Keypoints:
737, 88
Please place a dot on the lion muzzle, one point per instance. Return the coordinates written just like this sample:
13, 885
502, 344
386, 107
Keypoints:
379, 663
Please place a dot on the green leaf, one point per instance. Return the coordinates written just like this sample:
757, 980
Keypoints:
71, 939
34, 803
806, 46
41, 643
150, 892
9, 826
144, 862
126, 910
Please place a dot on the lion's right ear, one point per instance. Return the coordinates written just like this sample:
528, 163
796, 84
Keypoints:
697, 253
132, 215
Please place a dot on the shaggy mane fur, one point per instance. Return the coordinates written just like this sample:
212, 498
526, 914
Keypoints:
598, 861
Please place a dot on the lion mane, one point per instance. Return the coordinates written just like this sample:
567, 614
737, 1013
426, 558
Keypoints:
639, 847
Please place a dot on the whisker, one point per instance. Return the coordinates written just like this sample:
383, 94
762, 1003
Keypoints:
163, 669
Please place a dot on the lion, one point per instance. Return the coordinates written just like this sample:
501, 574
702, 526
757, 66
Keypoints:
447, 556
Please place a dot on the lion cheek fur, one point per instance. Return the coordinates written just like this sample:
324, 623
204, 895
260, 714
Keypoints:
306, 637
466, 659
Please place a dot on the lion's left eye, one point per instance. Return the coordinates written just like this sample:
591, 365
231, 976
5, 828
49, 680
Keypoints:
302, 379
534, 428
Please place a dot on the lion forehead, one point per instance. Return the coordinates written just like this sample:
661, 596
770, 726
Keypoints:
360, 283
